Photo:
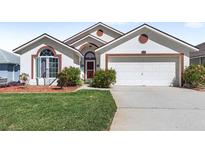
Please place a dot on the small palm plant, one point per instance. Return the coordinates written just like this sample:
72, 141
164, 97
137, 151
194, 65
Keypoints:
24, 78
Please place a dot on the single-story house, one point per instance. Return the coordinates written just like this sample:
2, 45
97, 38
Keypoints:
143, 56
198, 57
9, 66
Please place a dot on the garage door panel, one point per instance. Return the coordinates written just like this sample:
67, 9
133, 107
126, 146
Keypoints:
152, 71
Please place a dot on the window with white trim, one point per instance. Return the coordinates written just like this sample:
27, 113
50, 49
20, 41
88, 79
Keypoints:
47, 65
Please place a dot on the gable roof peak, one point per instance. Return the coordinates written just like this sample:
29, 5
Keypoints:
203, 43
201, 46
92, 27
46, 34
153, 29
48, 37
88, 36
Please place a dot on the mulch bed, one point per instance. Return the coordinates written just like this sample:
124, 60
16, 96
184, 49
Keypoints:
36, 89
199, 89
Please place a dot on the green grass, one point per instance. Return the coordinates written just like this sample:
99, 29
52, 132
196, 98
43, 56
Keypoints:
82, 110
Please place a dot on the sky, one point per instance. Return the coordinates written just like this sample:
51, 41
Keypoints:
13, 34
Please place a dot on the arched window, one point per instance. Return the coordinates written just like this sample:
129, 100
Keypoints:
89, 55
46, 52
47, 64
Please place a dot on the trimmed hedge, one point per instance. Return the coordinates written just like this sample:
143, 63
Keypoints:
69, 77
104, 78
194, 76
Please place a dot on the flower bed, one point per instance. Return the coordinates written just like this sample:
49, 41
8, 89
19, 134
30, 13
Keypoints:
36, 89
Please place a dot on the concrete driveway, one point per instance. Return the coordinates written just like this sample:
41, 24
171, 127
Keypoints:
158, 108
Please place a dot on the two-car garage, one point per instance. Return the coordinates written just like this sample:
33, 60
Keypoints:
146, 70
146, 56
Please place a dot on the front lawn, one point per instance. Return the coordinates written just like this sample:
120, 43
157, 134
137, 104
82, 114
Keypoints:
82, 110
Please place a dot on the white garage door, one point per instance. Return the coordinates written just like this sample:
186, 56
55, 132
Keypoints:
148, 71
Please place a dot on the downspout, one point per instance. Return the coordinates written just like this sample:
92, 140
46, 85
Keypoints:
13, 72
200, 60
81, 66
13, 77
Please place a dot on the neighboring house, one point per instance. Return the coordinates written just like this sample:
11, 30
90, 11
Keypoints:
199, 57
143, 56
9, 66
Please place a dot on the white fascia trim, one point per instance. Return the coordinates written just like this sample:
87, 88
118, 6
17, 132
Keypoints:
95, 38
84, 31
121, 33
76, 51
195, 49
145, 26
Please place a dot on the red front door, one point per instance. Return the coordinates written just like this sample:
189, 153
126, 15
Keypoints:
90, 69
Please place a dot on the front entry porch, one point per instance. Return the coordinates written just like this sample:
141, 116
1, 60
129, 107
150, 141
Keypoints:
90, 65
89, 69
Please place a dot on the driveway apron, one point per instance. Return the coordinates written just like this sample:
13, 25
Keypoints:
158, 108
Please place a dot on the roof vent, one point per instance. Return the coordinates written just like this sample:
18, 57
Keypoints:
100, 32
143, 38
143, 52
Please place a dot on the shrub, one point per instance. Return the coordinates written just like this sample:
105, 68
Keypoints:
104, 78
194, 76
24, 78
62, 79
69, 77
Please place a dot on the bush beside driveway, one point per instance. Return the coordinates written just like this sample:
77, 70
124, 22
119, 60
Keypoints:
194, 76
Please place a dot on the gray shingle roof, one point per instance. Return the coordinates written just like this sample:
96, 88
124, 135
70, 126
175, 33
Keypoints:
200, 53
7, 57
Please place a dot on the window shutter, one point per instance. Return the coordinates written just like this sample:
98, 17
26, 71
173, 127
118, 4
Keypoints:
38, 67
